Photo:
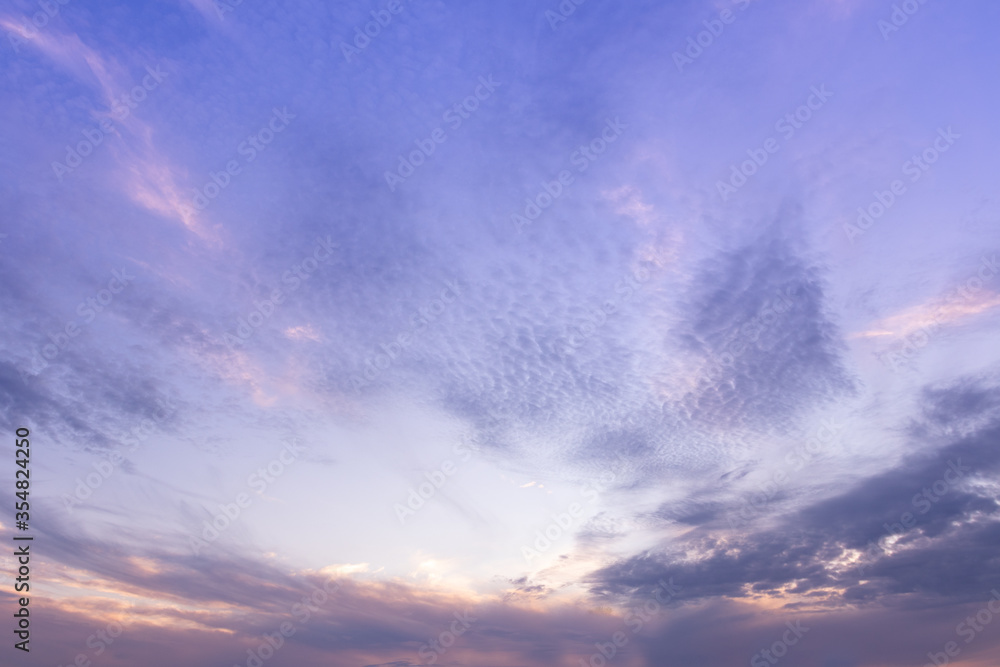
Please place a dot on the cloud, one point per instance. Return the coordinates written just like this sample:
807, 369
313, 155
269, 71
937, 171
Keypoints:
757, 318
225, 603
943, 492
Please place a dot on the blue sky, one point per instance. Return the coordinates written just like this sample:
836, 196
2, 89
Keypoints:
539, 313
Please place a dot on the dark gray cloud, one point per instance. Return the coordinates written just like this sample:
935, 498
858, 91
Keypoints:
940, 500
566, 371
758, 316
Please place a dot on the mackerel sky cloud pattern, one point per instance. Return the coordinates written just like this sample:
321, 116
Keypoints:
406, 332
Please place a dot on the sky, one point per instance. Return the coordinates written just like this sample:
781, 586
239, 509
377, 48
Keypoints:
501, 334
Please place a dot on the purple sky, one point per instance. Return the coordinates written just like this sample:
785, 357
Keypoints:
506, 334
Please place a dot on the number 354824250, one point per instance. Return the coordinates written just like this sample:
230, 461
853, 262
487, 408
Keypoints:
22, 474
